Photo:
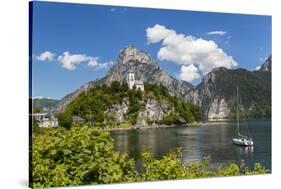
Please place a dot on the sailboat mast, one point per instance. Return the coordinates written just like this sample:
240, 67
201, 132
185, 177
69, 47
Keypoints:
237, 109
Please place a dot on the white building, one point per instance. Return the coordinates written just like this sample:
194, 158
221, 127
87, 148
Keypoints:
132, 82
45, 120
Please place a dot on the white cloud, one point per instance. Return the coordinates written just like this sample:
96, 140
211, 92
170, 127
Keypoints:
157, 33
93, 62
47, 55
40, 97
189, 73
258, 68
188, 50
216, 33
70, 61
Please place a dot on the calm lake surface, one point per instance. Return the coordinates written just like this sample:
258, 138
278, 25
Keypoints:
199, 141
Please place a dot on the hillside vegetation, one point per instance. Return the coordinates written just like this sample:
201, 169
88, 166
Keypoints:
254, 87
98, 100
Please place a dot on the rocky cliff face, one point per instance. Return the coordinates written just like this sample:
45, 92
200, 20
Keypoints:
118, 111
153, 111
145, 69
212, 106
218, 109
216, 94
266, 66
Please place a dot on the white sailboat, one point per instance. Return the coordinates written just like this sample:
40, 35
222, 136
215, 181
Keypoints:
241, 139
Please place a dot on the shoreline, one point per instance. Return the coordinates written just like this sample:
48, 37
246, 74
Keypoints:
207, 123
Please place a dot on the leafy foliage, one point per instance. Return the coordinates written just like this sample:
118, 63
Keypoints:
84, 155
35, 125
65, 119
96, 101
135, 105
78, 156
171, 167
36, 110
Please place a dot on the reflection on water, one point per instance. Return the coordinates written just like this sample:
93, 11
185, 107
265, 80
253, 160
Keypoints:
199, 141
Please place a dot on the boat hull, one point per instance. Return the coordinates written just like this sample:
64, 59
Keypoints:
243, 142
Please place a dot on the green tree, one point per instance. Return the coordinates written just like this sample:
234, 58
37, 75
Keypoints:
36, 110
35, 126
65, 119
81, 155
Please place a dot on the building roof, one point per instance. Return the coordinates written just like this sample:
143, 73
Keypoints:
138, 82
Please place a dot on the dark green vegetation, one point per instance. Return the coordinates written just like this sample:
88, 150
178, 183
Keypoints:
64, 119
254, 91
84, 155
183, 110
96, 101
78, 156
39, 104
254, 87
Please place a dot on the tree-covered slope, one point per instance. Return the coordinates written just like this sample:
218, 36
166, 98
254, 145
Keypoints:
40, 103
117, 105
217, 93
254, 87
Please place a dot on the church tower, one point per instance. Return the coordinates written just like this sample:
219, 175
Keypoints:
131, 79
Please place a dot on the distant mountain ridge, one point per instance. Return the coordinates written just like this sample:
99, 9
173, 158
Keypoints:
41, 103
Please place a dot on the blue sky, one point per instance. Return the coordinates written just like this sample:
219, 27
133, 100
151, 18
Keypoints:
75, 43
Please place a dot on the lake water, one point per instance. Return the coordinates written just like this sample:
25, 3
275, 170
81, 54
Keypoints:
199, 141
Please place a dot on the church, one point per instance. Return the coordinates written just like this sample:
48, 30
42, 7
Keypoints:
132, 82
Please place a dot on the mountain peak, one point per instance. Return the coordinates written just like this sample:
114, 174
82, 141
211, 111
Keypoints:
131, 54
132, 59
218, 69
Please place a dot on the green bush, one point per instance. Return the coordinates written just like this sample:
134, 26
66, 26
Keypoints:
64, 119
84, 155
78, 156
170, 166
